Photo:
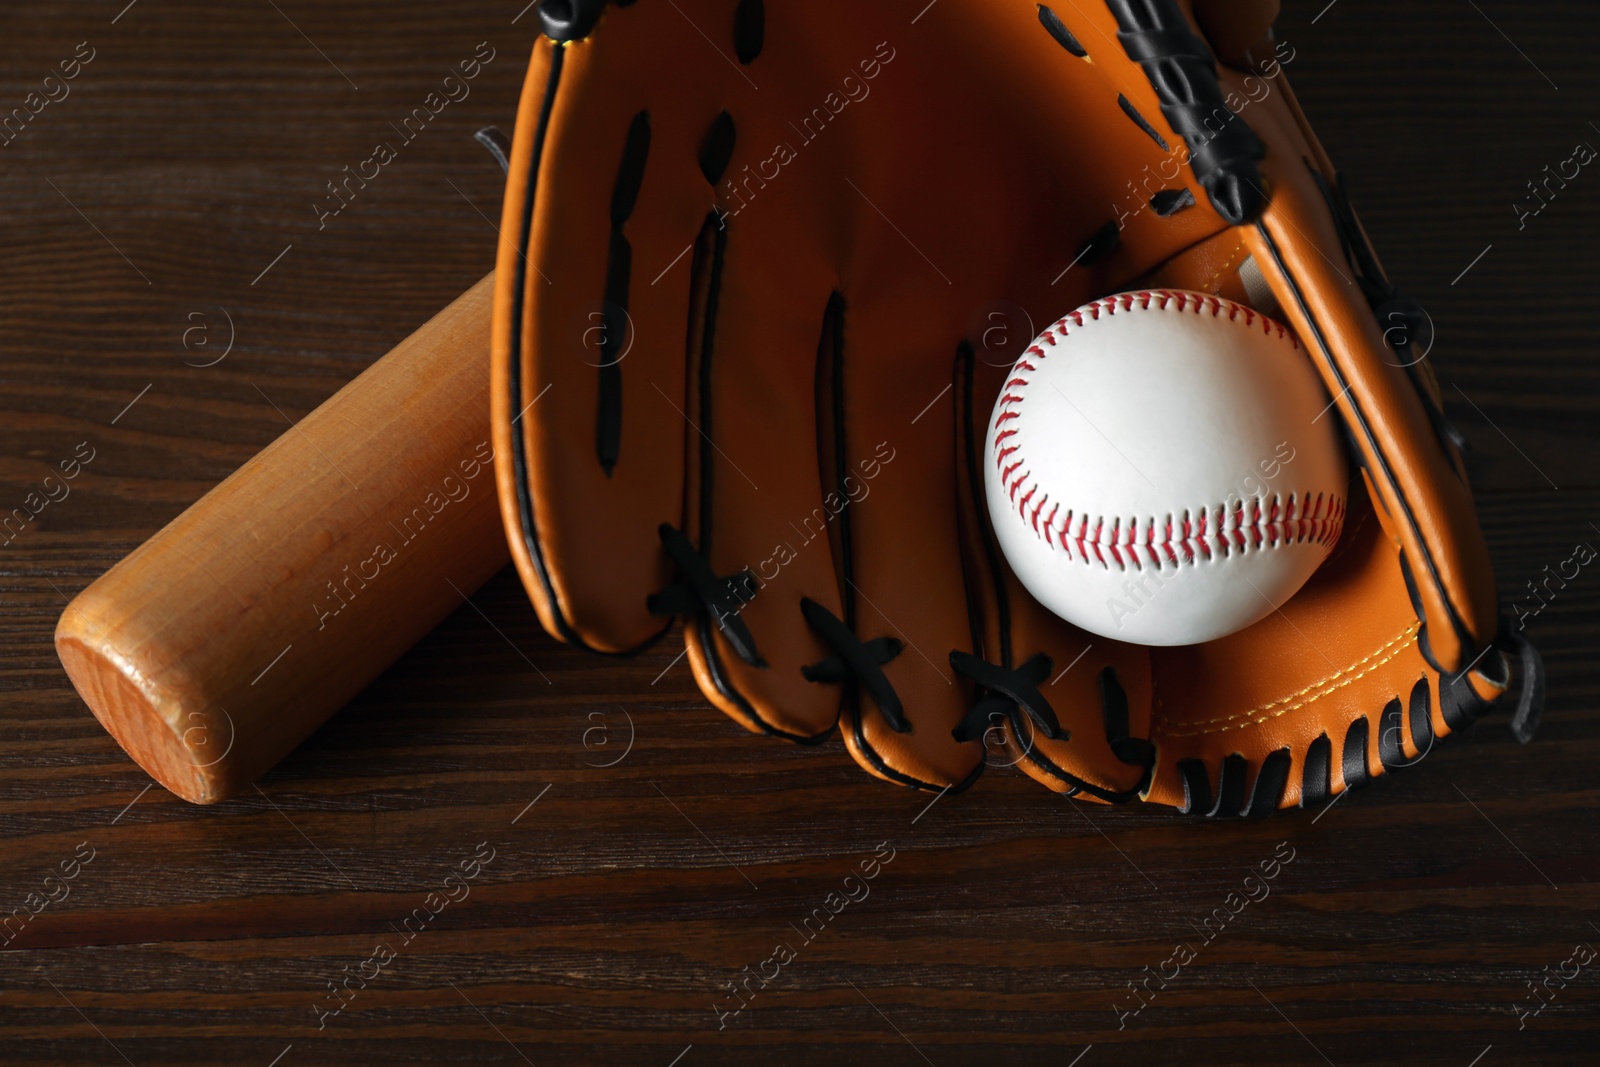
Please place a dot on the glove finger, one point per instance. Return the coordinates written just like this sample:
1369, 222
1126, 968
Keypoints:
604, 192
758, 505
888, 450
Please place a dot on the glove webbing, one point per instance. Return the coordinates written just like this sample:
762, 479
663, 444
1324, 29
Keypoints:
1223, 150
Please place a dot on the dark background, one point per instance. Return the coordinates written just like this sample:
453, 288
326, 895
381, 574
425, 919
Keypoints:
1009, 922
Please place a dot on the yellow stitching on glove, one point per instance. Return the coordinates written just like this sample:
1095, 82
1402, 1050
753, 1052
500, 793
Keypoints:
1233, 258
1398, 645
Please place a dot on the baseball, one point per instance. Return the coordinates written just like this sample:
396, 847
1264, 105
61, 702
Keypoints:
1164, 468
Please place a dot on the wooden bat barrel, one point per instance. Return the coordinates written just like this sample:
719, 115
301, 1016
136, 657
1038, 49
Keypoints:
222, 642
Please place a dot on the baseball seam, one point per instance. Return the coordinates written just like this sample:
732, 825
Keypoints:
1205, 533
1202, 534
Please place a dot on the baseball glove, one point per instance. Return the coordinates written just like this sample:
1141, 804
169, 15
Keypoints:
763, 271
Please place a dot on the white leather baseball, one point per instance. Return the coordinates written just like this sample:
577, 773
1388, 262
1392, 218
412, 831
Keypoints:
1163, 467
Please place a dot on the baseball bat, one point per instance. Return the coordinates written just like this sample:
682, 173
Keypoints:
222, 642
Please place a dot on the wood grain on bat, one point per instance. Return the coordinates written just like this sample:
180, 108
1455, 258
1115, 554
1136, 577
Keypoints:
222, 642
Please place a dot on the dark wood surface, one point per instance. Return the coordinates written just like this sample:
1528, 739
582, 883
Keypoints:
1009, 923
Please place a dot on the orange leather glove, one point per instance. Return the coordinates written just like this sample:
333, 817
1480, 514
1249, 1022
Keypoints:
763, 270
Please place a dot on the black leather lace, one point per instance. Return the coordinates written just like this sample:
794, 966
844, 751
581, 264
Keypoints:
855, 660
703, 590
1003, 690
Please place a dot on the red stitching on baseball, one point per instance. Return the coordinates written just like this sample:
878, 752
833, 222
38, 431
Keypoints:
1038, 508
1049, 519
1205, 533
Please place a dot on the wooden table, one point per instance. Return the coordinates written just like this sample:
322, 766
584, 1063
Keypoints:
644, 850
